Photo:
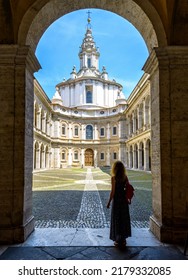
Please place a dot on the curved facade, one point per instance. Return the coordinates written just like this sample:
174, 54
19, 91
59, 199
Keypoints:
88, 122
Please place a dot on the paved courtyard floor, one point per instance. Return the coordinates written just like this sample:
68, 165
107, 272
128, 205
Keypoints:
77, 198
72, 221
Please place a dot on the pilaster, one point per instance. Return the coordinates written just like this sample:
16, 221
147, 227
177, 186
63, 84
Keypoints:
17, 64
168, 69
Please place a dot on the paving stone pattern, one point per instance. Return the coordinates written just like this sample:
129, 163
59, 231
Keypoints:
68, 209
91, 212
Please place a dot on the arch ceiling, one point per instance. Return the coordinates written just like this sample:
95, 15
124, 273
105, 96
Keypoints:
142, 15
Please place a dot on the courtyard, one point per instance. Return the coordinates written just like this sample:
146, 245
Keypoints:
77, 198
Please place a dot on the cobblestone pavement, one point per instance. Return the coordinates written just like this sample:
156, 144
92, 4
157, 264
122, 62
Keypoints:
86, 208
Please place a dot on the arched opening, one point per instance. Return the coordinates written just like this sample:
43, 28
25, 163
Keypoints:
90, 131
141, 14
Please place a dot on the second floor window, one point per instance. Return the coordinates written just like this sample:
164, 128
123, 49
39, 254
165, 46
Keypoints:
76, 131
89, 132
114, 130
63, 130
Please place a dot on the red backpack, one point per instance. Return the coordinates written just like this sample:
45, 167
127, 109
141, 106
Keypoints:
129, 191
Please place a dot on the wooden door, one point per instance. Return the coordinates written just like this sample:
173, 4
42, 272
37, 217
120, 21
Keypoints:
89, 157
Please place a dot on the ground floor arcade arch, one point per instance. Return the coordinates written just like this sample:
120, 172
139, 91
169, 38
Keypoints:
166, 66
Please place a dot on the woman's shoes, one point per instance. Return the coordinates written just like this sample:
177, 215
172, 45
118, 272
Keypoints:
120, 244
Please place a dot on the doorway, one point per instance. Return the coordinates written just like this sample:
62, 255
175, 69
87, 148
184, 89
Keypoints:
89, 157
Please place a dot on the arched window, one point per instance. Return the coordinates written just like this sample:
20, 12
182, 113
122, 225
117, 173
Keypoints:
89, 132
89, 97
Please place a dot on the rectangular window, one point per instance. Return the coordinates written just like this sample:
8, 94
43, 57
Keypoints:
63, 129
76, 131
89, 94
114, 130
89, 62
102, 156
115, 155
75, 155
63, 156
102, 131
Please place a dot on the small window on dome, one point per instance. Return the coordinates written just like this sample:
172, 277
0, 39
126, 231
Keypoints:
89, 62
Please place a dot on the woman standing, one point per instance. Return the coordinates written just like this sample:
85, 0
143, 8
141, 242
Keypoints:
120, 226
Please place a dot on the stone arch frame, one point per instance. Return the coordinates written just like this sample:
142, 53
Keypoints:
142, 15
169, 219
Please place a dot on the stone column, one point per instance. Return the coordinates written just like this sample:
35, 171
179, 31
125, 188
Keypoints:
17, 64
139, 158
95, 132
131, 158
168, 69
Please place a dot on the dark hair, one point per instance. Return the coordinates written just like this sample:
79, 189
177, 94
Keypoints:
118, 171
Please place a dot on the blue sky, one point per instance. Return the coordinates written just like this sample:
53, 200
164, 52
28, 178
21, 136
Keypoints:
122, 49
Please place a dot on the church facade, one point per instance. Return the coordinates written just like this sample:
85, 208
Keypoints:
89, 122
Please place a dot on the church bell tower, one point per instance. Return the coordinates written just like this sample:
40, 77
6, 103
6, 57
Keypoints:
89, 53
